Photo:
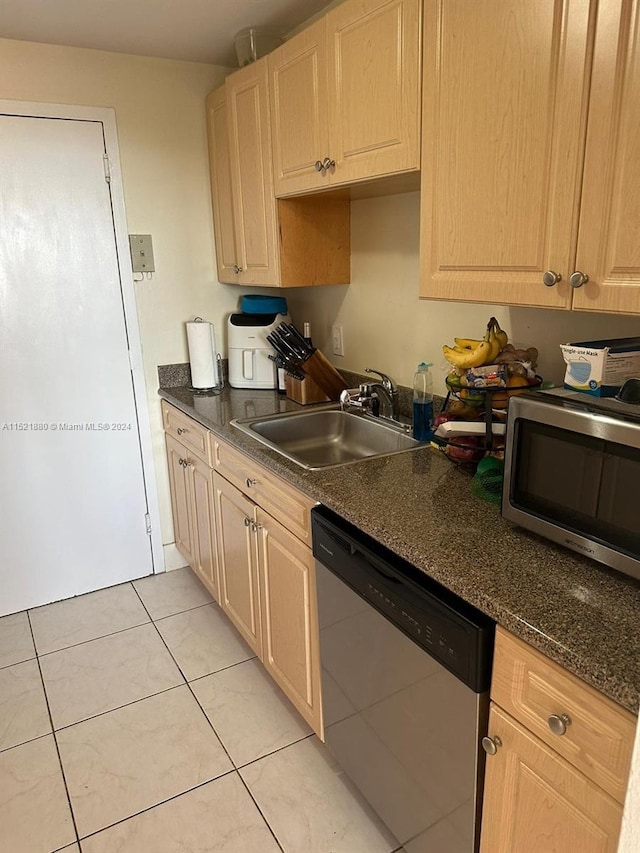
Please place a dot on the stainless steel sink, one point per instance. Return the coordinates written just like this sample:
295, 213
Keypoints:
323, 438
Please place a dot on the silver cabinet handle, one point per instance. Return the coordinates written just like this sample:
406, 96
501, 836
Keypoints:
577, 279
324, 165
247, 522
182, 430
558, 723
551, 277
255, 526
237, 270
491, 744
250, 482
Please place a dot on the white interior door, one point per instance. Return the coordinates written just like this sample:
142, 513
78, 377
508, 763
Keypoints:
72, 491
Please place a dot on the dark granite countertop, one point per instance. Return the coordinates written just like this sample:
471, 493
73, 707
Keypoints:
582, 615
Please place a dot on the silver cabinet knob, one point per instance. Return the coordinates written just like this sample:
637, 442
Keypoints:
247, 522
237, 270
327, 163
250, 482
558, 723
491, 744
577, 278
551, 277
182, 430
255, 526
319, 166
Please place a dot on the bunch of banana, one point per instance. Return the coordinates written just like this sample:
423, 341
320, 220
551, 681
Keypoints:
468, 352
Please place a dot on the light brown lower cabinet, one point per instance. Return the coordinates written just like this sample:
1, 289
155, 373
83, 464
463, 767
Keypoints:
200, 479
559, 760
267, 588
191, 485
536, 802
289, 616
239, 594
246, 533
180, 504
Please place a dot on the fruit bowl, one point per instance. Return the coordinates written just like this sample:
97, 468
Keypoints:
477, 405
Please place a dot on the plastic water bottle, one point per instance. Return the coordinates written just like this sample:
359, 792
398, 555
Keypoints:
423, 403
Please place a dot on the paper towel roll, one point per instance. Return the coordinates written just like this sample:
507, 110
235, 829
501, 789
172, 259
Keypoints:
202, 354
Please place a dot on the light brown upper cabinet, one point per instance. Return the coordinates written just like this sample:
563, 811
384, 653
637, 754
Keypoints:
221, 193
345, 103
254, 210
510, 94
609, 232
261, 240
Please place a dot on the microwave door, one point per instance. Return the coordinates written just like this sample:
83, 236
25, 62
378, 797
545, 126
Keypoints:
619, 505
558, 472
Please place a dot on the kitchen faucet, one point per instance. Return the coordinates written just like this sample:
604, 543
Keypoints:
378, 398
390, 395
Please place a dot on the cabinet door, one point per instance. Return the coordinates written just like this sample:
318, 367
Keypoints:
504, 114
251, 174
203, 524
609, 235
180, 499
238, 573
535, 802
221, 194
374, 88
289, 617
299, 126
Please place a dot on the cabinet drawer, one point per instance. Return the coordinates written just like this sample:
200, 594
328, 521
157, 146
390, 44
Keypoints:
188, 432
599, 737
282, 501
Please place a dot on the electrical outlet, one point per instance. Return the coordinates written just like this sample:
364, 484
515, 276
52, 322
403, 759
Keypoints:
338, 340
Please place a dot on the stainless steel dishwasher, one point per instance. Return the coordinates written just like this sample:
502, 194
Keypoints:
406, 667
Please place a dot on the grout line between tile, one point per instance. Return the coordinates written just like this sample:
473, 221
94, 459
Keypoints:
117, 708
15, 663
55, 739
218, 738
275, 751
91, 639
262, 815
23, 742
156, 805
222, 668
186, 610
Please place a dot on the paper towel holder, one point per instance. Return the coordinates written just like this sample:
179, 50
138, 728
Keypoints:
219, 386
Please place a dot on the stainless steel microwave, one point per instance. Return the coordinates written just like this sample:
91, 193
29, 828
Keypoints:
572, 474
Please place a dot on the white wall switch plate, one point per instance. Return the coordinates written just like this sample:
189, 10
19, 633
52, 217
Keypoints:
141, 250
338, 340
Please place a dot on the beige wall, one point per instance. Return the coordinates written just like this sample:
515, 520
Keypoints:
159, 108
160, 116
387, 327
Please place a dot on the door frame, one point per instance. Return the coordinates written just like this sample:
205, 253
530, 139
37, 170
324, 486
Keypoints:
106, 116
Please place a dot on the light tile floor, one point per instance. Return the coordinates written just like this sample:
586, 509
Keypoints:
136, 720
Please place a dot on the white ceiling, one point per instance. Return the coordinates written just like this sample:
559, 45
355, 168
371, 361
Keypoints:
196, 30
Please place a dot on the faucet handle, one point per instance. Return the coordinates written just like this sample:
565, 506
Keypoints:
386, 380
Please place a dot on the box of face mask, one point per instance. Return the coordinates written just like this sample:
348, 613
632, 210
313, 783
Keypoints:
599, 368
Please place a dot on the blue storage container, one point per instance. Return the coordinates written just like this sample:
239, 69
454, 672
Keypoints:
260, 304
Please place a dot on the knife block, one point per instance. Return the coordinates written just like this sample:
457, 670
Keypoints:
304, 391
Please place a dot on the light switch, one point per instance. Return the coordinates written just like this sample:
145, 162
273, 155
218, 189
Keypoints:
141, 249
